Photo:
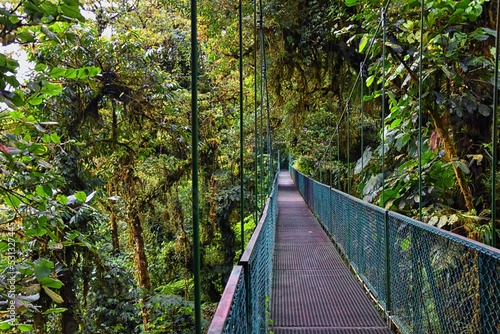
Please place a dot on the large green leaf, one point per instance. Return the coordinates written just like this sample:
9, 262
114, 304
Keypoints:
81, 196
43, 268
50, 282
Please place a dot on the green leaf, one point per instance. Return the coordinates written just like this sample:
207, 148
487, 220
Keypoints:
25, 37
71, 2
40, 192
36, 231
12, 81
72, 11
37, 148
43, 268
25, 269
82, 73
12, 201
4, 245
62, 199
12, 64
395, 123
81, 196
35, 100
40, 67
55, 310
25, 328
350, 3
71, 73
51, 89
93, 71
54, 137
363, 43
4, 325
57, 72
369, 80
16, 100
47, 189
50, 282
16, 114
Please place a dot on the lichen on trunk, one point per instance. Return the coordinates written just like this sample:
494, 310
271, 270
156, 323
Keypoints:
451, 155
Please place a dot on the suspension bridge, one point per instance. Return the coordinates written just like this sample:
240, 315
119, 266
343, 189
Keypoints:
321, 261
341, 265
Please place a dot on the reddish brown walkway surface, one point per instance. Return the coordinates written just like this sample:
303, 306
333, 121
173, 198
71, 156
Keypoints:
313, 290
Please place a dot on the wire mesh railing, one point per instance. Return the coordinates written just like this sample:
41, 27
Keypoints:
251, 279
426, 279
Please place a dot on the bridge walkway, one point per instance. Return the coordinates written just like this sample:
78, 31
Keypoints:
314, 291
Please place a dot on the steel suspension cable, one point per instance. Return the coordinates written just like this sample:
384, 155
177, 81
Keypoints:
495, 135
362, 111
194, 166
242, 132
384, 37
269, 142
348, 123
261, 103
269, 134
255, 111
420, 112
338, 159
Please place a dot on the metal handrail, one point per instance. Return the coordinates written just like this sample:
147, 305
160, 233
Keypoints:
251, 278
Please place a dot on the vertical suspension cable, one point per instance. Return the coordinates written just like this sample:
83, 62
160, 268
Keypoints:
420, 113
348, 122
495, 135
332, 66
266, 91
384, 32
269, 139
261, 103
269, 142
338, 158
194, 148
242, 133
255, 110
362, 112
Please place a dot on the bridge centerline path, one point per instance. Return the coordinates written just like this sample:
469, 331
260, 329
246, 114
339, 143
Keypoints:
313, 290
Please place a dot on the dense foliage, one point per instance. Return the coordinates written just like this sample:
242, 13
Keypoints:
330, 70
95, 162
95, 166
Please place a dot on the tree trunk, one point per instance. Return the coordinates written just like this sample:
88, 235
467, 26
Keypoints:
140, 253
140, 258
134, 204
69, 323
114, 233
451, 155
112, 220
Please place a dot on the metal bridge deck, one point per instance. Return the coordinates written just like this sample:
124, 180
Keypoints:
314, 291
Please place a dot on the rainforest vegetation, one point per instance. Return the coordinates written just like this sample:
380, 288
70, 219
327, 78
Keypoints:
95, 139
